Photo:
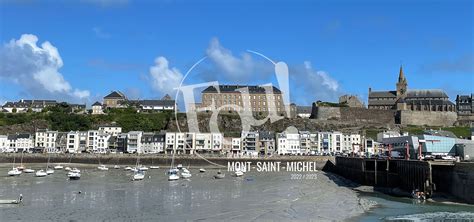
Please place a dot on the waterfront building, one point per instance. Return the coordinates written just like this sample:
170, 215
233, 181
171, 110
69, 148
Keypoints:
350, 141
203, 142
153, 142
217, 143
266, 143
314, 142
115, 99
371, 147
4, 144
388, 134
249, 143
97, 108
288, 142
134, 139
76, 141
325, 140
61, 142
404, 99
20, 142
350, 101
46, 139
251, 98
305, 142
122, 142
97, 141
189, 144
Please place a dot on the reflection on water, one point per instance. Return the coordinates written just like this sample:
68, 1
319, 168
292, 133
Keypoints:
111, 196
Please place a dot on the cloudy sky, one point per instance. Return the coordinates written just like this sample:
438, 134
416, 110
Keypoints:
79, 51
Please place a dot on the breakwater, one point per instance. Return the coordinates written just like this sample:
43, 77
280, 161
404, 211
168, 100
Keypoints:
456, 179
151, 159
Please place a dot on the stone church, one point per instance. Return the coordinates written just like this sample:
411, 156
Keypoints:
404, 99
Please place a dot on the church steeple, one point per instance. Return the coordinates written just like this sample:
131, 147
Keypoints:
401, 76
401, 85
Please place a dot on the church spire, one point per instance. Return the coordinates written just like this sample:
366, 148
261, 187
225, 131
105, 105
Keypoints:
401, 76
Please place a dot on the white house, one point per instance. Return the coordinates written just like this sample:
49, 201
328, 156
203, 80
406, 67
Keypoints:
19, 142
305, 142
97, 108
236, 145
46, 139
134, 139
74, 141
4, 144
250, 143
288, 142
217, 143
203, 142
350, 141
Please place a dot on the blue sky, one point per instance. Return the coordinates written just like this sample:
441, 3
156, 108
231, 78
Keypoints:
143, 47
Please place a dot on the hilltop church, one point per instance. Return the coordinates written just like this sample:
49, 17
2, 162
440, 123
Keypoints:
404, 99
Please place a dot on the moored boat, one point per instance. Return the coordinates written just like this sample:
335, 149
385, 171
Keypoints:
202, 170
28, 170
74, 175
219, 175
49, 171
102, 167
179, 166
41, 173
154, 167
14, 172
116, 167
239, 173
67, 168
58, 167
140, 175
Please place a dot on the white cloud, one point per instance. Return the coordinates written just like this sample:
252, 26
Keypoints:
226, 66
36, 69
164, 78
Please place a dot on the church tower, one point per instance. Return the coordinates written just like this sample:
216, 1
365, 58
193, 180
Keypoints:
401, 85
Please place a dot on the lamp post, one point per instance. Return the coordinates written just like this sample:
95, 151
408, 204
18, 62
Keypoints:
420, 157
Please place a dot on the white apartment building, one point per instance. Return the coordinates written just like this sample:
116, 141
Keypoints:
134, 139
217, 142
350, 141
46, 139
189, 145
4, 144
236, 145
203, 142
305, 142
73, 139
112, 130
19, 143
288, 142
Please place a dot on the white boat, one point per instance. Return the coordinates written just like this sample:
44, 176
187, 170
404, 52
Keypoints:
102, 167
142, 168
49, 171
127, 168
202, 170
154, 167
74, 175
239, 173
67, 168
41, 173
140, 175
75, 170
179, 166
58, 167
173, 171
186, 173
20, 199
14, 172
116, 167
134, 170
173, 176
28, 170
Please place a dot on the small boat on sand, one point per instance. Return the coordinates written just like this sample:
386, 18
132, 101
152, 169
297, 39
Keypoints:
14, 172
219, 175
239, 173
116, 167
49, 171
102, 167
40, 173
140, 175
18, 201
202, 170
74, 175
58, 167
28, 170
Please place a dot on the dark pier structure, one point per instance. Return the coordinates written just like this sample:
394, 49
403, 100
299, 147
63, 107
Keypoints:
407, 175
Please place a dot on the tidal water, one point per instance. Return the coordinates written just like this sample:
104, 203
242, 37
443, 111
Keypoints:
112, 196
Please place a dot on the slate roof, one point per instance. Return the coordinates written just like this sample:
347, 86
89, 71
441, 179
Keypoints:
152, 102
233, 88
428, 93
266, 135
383, 94
115, 95
97, 104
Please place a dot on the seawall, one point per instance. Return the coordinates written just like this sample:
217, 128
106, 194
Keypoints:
161, 160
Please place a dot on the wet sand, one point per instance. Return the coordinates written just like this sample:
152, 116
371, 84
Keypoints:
111, 196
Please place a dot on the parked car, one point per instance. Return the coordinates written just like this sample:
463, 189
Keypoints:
428, 158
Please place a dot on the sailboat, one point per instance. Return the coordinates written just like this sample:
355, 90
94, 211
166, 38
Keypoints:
74, 175
21, 167
49, 170
186, 174
139, 170
14, 171
173, 172
41, 173
102, 167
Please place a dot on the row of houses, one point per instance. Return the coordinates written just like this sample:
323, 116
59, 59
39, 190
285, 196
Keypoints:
107, 139
31, 105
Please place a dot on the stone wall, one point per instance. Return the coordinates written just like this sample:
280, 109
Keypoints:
429, 118
353, 114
